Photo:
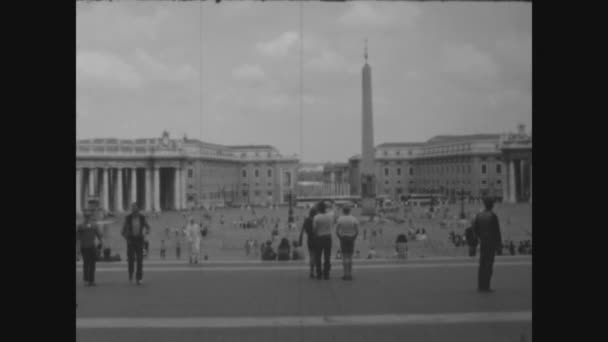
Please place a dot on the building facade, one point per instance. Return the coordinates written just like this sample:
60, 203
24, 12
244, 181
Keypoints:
173, 174
478, 165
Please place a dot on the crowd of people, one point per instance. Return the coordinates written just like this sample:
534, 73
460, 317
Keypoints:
320, 225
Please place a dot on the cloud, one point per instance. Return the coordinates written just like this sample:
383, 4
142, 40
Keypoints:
379, 16
278, 47
464, 60
156, 70
329, 60
248, 73
107, 23
106, 68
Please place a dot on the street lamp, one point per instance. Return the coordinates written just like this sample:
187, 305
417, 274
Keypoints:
462, 214
290, 217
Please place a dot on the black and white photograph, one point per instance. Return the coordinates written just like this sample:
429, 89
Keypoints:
303, 171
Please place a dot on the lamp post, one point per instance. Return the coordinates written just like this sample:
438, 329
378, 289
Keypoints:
290, 217
462, 214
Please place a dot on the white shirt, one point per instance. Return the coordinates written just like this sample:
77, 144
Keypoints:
193, 232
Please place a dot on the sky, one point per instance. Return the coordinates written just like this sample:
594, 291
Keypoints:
229, 73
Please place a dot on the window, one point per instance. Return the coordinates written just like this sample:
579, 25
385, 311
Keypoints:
398, 152
190, 173
469, 168
245, 193
498, 182
483, 169
498, 168
257, 173
484, 182
398, 182
386, 171
269, 193
411, 171
269, 184
269, 173
244, 173
257, 192
385, 182
385, 153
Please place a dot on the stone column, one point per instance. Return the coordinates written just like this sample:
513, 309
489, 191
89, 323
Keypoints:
176, 188
530, 181
106, 190
511, 183
522, 177
280, 186
505, 183
78, 182
183, 191
156, 189
92, 181
133, 197
118, 201
148, 194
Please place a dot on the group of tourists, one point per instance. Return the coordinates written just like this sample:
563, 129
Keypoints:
318, 227
134, 231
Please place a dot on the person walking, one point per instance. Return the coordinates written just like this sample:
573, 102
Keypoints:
347, 229
193, 233
322, 224
487, 229
307, 227
86, 234
133, 232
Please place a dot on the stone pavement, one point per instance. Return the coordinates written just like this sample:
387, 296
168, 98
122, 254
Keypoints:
416, 300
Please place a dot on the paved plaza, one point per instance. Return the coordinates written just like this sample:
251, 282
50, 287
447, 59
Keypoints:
227, 241
417, 300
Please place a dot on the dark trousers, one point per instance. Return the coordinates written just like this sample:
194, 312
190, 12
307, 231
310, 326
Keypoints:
135, 254
323, 247
89, 256
486, 264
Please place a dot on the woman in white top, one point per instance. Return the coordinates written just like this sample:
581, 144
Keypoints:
193, 234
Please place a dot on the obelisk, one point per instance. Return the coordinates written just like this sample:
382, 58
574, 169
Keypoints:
368, 179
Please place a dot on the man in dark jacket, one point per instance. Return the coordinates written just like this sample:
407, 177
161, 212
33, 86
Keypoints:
310, 239
487, 229
133, 232
86, 234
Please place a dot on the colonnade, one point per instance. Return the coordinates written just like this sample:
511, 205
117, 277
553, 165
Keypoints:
118, 187
518, 185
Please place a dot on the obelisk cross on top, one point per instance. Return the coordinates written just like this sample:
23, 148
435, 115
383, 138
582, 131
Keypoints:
368, 179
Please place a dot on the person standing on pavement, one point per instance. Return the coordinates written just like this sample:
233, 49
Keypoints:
487, 229
86, 234
347, 229
307, 227
472, 241
193, 233
134, 234
322, 226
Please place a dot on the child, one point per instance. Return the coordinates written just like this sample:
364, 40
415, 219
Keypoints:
162, 249
178, 245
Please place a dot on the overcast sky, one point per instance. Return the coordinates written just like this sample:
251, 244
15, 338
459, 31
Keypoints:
437, 68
